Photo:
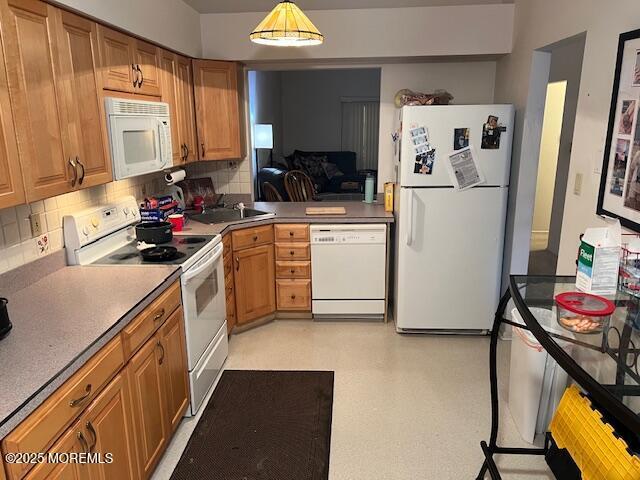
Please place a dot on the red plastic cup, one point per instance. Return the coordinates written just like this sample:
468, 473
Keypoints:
177, 222
198, 203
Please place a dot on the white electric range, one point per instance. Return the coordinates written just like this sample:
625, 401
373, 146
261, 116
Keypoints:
105, 235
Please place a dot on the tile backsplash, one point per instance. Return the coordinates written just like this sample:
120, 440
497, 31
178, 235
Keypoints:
18, 246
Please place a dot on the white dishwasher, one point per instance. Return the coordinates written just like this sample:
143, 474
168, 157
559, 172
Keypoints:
348, 270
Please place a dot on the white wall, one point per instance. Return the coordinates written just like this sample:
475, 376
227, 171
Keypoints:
566, 64
371, 33
171, 23
536, 28
469, 83
312, 109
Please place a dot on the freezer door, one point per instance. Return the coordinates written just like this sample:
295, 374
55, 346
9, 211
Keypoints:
449, 258
441, 121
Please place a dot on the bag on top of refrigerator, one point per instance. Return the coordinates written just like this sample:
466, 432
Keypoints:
599, 259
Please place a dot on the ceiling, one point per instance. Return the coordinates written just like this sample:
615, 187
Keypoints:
233, 6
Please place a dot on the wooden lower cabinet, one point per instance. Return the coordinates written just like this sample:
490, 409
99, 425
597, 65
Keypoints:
149, 404
108, 427
72, 441
174, 367
293, 295
254, 280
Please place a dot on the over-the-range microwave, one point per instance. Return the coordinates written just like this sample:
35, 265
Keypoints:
139, 136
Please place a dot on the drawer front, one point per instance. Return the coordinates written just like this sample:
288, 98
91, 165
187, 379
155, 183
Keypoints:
293, 269
293, 251
226, 243
293, 295
251, 237
292, 232
143, 326
40, 429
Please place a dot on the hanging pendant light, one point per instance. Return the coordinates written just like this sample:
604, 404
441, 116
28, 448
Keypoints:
286, 26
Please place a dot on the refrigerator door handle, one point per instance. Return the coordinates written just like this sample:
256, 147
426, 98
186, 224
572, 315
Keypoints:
410, 222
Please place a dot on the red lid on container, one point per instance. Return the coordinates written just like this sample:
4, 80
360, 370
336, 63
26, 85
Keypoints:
585, 304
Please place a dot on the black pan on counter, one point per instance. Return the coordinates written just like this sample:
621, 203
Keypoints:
154, 232
159, 254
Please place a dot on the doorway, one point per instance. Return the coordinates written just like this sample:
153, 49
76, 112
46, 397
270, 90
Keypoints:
556, 137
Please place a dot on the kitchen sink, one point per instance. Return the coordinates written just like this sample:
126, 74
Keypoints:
222, 215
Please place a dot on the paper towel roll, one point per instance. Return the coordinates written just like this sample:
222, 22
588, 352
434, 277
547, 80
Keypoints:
175, 177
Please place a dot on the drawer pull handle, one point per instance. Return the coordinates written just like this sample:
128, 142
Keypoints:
255, 238
237, 264
293, 270
77, 401
159, 315
83, 442
161, 359
93, 433
292, 252
291, 234
293, 297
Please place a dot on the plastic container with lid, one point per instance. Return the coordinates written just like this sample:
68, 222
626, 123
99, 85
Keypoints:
582, 312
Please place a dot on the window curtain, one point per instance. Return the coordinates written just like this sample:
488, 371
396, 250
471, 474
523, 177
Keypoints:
360, 126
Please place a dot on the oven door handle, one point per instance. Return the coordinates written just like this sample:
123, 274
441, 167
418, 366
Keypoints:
192, 273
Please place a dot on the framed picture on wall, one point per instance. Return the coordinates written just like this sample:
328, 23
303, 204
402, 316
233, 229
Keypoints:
619, 195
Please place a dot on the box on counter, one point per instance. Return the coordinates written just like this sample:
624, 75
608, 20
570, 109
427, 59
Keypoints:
158, 209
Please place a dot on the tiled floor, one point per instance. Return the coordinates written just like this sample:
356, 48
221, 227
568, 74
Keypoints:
405, 407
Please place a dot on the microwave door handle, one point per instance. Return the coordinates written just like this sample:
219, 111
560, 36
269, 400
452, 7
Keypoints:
163, 128
190, 274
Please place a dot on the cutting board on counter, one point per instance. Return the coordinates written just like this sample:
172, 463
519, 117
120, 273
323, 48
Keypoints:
325, 211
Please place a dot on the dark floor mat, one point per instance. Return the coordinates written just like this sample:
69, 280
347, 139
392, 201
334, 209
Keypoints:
263, 425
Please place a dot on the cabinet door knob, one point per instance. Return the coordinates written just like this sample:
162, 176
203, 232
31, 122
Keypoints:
202, 147
292, 252
293, 271
135, 75
293, 297
83, 442
255, 238
291, 234
93, 433
77, 401
237, 264
80, 164
161, 359
141, 76
74, 169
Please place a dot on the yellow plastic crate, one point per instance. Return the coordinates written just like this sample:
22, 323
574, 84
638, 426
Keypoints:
591, 442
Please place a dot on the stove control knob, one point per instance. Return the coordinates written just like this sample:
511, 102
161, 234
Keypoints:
95, 221
85, 230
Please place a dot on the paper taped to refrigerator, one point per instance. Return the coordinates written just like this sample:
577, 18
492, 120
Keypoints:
464, 169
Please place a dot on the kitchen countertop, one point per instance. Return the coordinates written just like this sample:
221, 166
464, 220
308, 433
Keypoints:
294, 212
60, 320
63, 315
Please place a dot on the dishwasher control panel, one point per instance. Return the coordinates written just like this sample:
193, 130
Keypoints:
371, 234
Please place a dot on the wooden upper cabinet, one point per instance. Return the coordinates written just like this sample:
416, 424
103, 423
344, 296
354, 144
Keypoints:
78, 48
11, 186
217, 99
117, 60
174, 366
147, 61
254, 278
29, 35
169, 79
108, 427
128, 65
186, 110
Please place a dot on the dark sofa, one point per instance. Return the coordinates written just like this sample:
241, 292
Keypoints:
331, 172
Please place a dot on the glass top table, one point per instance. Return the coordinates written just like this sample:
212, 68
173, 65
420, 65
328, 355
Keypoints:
606, 365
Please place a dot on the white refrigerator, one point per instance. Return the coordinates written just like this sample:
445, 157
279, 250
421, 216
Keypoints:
449, 242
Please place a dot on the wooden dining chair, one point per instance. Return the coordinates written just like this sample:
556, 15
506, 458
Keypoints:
299, 186
271, 193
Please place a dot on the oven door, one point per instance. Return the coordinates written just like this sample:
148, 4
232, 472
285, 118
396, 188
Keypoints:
138, 145
203, 302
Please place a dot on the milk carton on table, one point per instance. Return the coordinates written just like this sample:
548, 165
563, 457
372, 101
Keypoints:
599, 260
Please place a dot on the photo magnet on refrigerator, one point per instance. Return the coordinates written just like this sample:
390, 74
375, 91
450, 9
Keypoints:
491, 131
460, 138
424, 162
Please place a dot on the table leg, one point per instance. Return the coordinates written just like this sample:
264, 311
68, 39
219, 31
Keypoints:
493, 380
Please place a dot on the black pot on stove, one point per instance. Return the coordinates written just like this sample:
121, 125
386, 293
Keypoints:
5, 323
154, 232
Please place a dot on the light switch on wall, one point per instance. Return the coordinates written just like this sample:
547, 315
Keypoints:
577, 185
